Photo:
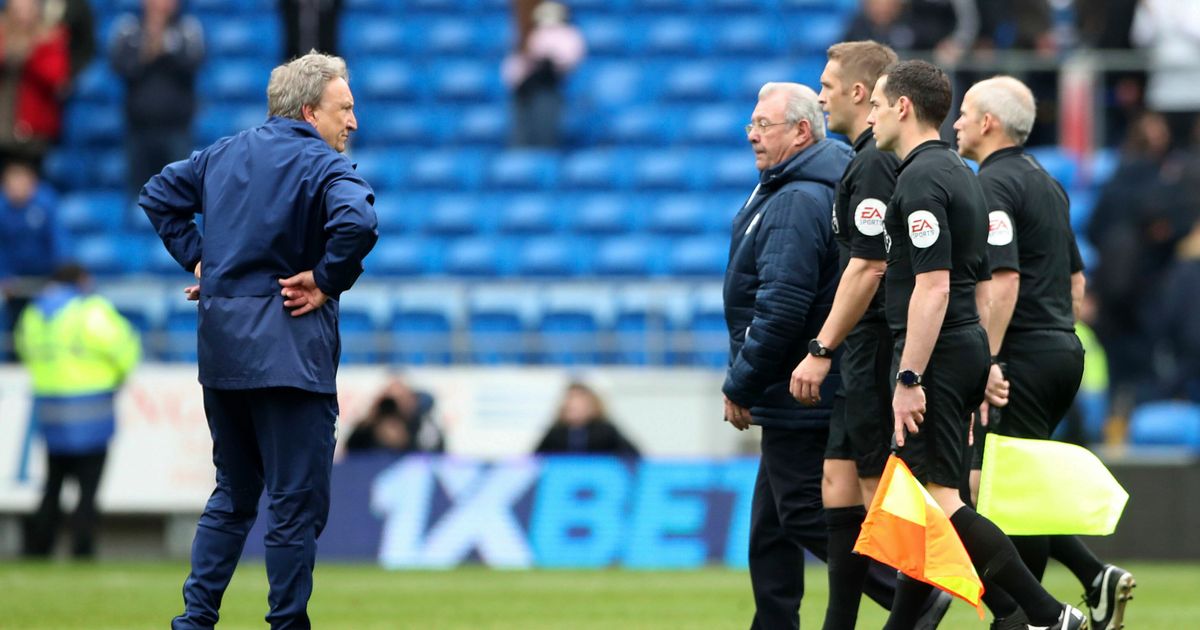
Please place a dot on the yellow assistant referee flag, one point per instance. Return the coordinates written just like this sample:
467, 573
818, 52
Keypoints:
1043, 487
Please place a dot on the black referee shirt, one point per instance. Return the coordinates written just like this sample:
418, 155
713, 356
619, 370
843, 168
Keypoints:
936, 219
859, 206
1029, 231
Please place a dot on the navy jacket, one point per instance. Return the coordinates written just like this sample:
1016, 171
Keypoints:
779, 286
276, 200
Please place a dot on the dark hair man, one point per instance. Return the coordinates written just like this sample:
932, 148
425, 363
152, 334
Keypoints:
287, 223
860, 427
937, 231
1036, 289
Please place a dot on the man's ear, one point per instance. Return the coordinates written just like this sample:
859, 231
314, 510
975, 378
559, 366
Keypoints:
859, 93
990, 123
903, 107
308, 112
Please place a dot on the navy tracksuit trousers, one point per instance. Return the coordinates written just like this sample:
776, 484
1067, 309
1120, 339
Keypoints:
280, 439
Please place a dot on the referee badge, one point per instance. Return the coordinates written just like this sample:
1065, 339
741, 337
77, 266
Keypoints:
923, 229
868, 216
1000, 228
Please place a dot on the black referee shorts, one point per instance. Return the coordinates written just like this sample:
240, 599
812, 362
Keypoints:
861, 426
1044, 369
954, 383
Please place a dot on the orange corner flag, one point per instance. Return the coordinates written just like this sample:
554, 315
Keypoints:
906, 529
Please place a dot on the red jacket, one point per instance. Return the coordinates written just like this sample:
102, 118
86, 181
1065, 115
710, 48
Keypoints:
37, 102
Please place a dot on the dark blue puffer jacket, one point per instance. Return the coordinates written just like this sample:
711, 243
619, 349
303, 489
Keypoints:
779, 286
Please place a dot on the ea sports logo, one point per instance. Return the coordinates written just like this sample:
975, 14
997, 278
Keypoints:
1000, 228
923, 228
868, 216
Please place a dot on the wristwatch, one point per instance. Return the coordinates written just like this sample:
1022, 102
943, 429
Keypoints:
908, 378
818, 349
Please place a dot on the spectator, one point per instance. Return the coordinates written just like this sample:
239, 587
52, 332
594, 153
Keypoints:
947, 27
158, 56
401, 420
33, 241
1104, 24
582, 427
1170, 31
78, 350
76, 17
883, 21
35, 72
309, 25
1179, 325
535, 73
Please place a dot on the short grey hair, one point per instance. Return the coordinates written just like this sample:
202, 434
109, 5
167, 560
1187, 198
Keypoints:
802, 104
301, 82
1010, 101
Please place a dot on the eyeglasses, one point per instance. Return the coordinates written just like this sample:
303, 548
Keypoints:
762, 125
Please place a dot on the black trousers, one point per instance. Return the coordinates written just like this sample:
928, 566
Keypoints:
41, 530
786, 518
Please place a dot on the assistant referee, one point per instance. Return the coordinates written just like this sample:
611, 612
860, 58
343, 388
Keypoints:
936, 238
1037, 286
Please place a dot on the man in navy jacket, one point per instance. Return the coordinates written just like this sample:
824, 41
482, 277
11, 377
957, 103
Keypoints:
287, 223
783, 272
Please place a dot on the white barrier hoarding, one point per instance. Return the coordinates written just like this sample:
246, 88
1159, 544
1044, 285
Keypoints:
160, 459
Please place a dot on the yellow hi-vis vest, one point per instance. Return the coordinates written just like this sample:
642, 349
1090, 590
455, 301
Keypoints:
77, 357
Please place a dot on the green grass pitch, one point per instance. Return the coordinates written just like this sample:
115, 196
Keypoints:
146, 595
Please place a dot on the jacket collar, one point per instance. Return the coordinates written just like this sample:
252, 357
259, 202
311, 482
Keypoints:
301, 127
863, 138
1000, 154
921, 148
782, 173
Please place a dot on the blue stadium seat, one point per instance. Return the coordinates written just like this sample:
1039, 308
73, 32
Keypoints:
231, 6
405, 256
87, 212
603, 214
483, 125
68, 169
244, 36
1083, 201
722, 125
159, 261
465, 81
672, 6
708, 330
571, 324
456, 36
669, 170
456, 215
387, 126
604, 169
91, 125
806, 70
483, 257
372, 36
551, 256
678, 214
216, 121
108, 169
1058, 163
750, 36
442, 170
744, 7
530, 214
629, 256
383, 170
734, 169
359, 336
813, 31
605, 35
395, 214
106, 254
654, 125
640, 337
1166, 423
179, 338
523, 169
498, 325
386, 80
705, 256
239, 81
422, 337
693, 81
678, 36
612, 84
99, 84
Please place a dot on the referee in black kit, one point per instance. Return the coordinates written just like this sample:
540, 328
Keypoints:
936, 225
1037, 286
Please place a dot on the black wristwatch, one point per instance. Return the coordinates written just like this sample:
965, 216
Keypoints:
818, 349
908, 378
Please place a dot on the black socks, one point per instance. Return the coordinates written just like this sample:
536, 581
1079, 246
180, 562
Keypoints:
1035, 553
1071, 551
910, 599
847, 570
996, 560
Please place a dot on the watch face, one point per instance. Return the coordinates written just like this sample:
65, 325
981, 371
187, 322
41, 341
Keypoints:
908, 377
816, 349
